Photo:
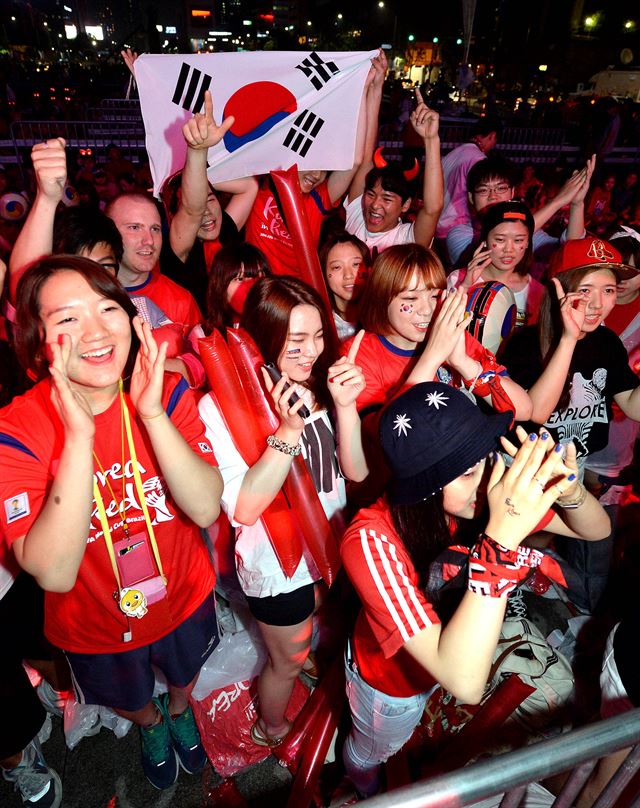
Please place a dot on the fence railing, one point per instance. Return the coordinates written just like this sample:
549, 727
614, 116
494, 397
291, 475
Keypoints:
119, 121
576, 752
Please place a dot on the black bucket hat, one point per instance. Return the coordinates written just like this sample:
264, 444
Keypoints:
432, 434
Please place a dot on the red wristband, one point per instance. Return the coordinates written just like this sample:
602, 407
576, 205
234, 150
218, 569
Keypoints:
495, 571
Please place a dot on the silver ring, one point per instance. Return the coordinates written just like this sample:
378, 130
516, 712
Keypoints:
535, 479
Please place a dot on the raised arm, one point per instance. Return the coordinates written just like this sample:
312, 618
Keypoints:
341, 181
578, 514
573, 193
194, 484
36, 237
459, 655
546, 391
266, 477
575, 225
53, 549
425, 122
346, 381
243, 194
370, 129
200, 133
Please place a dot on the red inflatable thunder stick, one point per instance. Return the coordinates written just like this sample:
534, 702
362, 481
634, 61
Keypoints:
238, 414
304, 247
298, 487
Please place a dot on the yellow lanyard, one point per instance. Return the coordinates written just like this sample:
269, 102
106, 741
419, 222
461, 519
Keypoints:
102, 514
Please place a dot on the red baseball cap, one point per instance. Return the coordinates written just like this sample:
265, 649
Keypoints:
590, 253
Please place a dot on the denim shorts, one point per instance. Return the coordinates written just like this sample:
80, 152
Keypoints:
614, 699
381, 725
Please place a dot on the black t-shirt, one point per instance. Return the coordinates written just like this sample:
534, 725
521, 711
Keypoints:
193, 274
599, 370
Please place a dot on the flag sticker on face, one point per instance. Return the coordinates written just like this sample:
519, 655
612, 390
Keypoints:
317, 71
288, 108
196, 84
304, 131
17, 507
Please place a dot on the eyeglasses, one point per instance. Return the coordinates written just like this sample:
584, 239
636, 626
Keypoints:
485, 190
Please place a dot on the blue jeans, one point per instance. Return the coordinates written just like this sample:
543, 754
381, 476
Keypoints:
380, 726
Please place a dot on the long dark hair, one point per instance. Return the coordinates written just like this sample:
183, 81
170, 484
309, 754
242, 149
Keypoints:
424, 530
30, 337
341, 237
266, 318
227, 265
550, 322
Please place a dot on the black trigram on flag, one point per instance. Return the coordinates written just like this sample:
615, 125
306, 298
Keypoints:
196, 84
303, 132
317, 71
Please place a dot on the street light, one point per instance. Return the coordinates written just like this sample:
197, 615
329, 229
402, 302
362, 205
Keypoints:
411, 37
436, 40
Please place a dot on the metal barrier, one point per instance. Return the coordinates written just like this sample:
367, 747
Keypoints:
511, 773
129, 135
119, 121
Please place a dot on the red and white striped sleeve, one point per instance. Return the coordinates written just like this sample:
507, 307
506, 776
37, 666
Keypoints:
386, 581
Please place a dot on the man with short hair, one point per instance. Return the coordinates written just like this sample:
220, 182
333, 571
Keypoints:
455, 168
493, 180
378, 197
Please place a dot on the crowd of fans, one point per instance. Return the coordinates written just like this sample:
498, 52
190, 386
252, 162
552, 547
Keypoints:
469, 388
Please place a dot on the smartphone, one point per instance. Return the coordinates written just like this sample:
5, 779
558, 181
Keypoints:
275, 376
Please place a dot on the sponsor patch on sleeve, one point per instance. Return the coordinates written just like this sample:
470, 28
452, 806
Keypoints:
17, 507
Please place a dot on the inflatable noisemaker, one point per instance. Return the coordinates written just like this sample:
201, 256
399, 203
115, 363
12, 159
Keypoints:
298, 486
472, 738
235, 407
493, 313
324, 727
305, 249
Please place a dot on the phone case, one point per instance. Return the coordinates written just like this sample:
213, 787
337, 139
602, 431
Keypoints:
133, 558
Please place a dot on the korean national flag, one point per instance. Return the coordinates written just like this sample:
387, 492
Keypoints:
289, 107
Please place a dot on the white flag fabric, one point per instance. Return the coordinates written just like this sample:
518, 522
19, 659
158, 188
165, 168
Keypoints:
289, 107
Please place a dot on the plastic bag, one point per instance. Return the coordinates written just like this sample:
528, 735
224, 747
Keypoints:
225, 717
83, 720
236, 658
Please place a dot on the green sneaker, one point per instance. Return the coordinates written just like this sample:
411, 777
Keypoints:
185, 737
159, 759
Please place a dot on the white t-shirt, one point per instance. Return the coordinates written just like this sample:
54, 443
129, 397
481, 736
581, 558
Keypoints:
402, 233
259, 572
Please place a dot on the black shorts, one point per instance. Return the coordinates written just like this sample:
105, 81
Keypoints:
125, 680
287, 609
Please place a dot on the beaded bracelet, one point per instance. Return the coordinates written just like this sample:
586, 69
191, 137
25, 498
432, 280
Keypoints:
573, 502
282, 446
495, 571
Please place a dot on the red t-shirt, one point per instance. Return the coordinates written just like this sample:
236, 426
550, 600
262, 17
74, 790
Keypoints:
386, 367
87, 619
172, 303
266, 230
622, 314
394, 609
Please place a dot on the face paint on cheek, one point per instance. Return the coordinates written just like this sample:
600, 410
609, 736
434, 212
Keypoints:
493, 246
293, 352
406, 308
329, 275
